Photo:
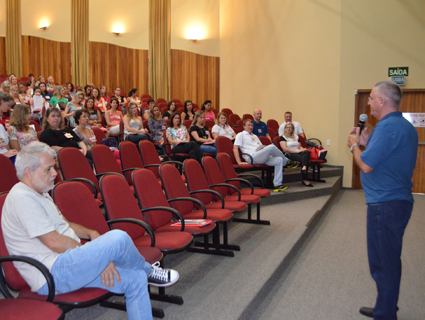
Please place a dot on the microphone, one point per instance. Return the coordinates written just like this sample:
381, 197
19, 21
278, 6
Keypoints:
362, 119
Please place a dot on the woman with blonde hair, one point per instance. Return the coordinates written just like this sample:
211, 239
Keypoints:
14, 92
290, 144
201, 134
72, 107
58, 97
133, 125
221, 128
20, 133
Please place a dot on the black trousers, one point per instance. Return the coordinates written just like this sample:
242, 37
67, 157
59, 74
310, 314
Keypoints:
192, 148
302, 157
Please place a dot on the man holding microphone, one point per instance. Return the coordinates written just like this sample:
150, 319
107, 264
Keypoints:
386, 166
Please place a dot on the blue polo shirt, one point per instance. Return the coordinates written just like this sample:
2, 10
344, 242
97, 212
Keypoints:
260, 130
391, 151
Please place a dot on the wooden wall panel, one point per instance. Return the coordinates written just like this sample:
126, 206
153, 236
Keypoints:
113, 66
46, 57
413, 101
195, 77
3, 55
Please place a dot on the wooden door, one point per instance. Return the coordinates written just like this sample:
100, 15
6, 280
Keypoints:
413, 101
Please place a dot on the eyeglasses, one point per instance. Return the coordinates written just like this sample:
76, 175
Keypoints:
370, 98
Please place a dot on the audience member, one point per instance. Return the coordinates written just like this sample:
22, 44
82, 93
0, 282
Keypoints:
87, 91
171, 109
260, 128
83, 130
20, 132
15, 94
72, 107
95, 119
70, 88
37, 103
5, 87
5, 145
261, 154
206, 107
179, 138
113, 117
13, 80
221, 128
6, 106
31, 82
117, 94
133, 96
42, 79
34, 227
51, 84
133, 125
157, 125
188, 113
105, 96
98, 100
201, 134
147, 112
24, 93
66, 94
290, 144
46, 94
58, 98
288, 118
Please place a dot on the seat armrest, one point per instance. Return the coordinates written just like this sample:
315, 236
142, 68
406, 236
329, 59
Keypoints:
198, 202
141, 223
172, 210
243, 181
227, 185
210, 191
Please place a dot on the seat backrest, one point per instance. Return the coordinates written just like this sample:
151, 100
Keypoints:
120, 203
151, 195
130, 158
273, 124
196, 180
227, 111
277, 143
176, 100
213, 174
74, 164
247, 116
228, 170
239, 124
145, 95
174, 187
272, 133
14, 279
36, 125
234, 118
77, 204
302, 142
225, 145
160, 100
187, 124
8, 176
104, 160
100, 135
209, 124
104, 121
264, 140
146, 126
149, 156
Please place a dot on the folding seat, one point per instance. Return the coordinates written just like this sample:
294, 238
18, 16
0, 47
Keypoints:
37, 127
22, 309
234, 118
130, 159
180, 199
199, 188
10, 278
215, 111
216, 182
152, 161
100, 135
239, 125
74, 165
8, 176
145, 95
273, 125
265, 140
187, 124
272, 133
227, 111
179, 106
104, 162
247, 116
209, 124
171, 152
152, 197
117, 136
176, 100
225, 145
160, 100
315, 164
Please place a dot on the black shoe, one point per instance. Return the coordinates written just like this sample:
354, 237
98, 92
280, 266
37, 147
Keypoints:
162, 277
368, 312
307, 185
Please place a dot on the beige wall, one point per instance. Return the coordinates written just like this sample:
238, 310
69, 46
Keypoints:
57, 13
132, 15
2, 18
203, 14
310, 56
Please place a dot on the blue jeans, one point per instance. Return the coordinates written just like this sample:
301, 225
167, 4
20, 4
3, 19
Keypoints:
386, 222
82, 266
272, 156
208, 148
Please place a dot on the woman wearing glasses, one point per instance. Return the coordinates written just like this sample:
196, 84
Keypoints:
72, 107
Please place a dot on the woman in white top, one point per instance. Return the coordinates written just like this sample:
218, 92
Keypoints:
133, 96
290, 144
83, 130
133, 125
4, 144
37, 102
20, 133
222, 129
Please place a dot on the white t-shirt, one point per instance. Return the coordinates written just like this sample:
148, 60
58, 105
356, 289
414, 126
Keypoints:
26, 216
248, 143
292, 143
4, 140
226, 131
297, 128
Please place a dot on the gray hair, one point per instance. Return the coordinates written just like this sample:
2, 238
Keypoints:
391, 90
5, 84
29, 157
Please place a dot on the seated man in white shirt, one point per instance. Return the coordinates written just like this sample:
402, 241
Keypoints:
297, 129
34, 227
261, 154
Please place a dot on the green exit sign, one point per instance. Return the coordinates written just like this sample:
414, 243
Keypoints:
398, 71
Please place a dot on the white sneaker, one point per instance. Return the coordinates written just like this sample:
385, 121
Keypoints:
162, 277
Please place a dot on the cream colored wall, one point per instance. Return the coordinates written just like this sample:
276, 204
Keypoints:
3, 18
283, 56
204, 14
376, 35
132, 15
57, 13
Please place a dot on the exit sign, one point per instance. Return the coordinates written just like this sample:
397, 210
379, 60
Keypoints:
398, 71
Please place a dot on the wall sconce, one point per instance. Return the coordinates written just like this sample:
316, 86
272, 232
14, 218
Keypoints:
44, 25
117, 30
195, 33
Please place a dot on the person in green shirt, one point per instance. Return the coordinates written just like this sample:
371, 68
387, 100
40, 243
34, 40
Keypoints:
58, 97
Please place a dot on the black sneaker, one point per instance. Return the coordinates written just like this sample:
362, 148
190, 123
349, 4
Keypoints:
162, 277
280, 188
292, 164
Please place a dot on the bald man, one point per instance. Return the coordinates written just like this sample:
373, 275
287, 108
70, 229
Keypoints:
260, 128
